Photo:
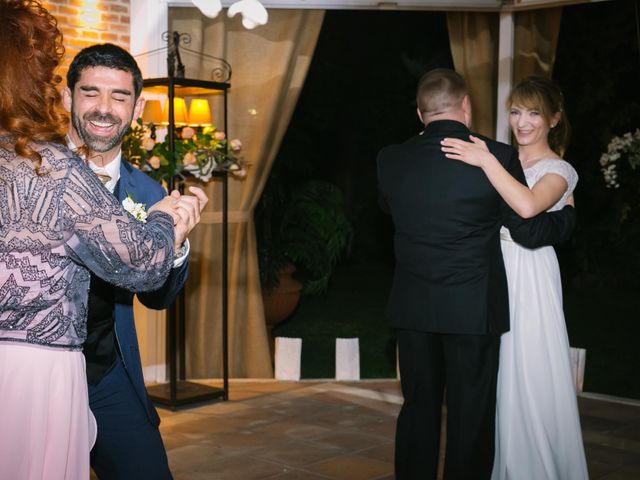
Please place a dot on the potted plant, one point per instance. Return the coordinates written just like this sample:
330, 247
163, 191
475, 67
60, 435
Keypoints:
303, 229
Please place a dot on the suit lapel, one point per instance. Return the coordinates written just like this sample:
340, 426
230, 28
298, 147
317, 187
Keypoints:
125, 185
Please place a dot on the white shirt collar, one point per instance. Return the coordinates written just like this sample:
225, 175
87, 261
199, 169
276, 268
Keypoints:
112, 168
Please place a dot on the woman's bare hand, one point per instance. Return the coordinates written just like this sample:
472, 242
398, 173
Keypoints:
474, 153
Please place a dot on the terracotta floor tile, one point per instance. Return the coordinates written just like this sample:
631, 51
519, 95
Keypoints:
233, 468
296, 454
384, 453
349, 441
293, 429
298, 475
342, 431
352, 468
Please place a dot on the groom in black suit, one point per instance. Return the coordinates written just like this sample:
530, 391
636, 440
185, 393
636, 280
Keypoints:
449, 300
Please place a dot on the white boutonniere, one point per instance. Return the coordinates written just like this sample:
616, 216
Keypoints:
134, 208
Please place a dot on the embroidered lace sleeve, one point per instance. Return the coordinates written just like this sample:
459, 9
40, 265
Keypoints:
101, 235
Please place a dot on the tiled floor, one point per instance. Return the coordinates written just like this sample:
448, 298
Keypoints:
343, 431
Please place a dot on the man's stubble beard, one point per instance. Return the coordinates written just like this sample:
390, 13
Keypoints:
99, 144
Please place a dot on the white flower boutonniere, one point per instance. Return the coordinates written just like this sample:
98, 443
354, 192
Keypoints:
136, 209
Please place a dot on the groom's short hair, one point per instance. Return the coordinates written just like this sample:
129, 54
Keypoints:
440, 91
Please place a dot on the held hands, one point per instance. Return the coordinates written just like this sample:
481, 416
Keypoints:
188, 209
474, 153
185, 210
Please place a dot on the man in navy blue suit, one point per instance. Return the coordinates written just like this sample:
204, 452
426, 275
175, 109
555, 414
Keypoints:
103, 96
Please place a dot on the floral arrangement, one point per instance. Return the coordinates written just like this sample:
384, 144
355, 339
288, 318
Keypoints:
136, 209
196, 152
625, 146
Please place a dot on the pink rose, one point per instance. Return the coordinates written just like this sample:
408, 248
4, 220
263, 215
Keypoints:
188, 132
242, 173
154, 162
189, 159
219, 136
148, 144
236, 145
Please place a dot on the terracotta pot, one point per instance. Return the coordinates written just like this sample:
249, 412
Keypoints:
280, 302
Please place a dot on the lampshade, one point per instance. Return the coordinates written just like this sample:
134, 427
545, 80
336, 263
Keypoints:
152, 112
199, 113
179, 112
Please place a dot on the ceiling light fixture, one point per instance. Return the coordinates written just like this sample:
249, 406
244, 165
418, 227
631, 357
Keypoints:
252, 11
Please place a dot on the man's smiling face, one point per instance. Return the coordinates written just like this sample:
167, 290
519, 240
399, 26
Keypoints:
102, 106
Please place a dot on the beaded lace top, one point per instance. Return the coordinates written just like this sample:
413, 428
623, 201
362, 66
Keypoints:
538, 170
56, 226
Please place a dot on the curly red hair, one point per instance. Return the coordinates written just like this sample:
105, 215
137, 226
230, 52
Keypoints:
30, 106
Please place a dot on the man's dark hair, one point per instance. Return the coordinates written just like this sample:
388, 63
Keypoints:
104, 55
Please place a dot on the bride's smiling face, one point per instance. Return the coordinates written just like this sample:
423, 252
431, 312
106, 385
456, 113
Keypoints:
529, 126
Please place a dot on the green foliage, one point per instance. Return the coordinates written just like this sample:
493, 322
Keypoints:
598, 72
306, 226
315, 232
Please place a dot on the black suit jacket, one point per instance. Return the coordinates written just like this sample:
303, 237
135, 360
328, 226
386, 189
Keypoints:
449, 275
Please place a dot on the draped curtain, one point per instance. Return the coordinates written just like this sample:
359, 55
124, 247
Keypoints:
473, 38
536, 38
269, 65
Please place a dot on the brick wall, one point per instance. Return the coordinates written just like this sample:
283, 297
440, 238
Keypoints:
85, 22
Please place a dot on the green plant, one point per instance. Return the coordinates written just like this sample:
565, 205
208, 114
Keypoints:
306, 226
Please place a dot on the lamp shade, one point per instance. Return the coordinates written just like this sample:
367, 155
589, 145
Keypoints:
179, 112
152, 112
199, 113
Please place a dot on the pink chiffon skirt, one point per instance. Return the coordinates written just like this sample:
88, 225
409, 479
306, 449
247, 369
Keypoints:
46, 427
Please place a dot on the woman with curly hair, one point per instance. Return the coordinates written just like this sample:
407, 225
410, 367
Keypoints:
57, 221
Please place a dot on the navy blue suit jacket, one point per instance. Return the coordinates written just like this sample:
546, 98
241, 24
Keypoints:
144, 190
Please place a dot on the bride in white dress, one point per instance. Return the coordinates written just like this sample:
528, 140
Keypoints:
538, 434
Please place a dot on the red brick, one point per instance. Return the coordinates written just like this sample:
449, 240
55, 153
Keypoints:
119, 8
90, 34
113, 25
68, 10
108, 37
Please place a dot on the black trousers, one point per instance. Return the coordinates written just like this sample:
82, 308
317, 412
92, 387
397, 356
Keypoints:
467, 365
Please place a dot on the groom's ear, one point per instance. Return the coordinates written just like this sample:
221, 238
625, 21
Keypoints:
67, 99
466, 110
420, 115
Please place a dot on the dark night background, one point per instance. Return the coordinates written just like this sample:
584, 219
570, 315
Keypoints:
359, 97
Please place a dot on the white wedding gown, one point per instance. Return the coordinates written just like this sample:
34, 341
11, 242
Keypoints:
538, 433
